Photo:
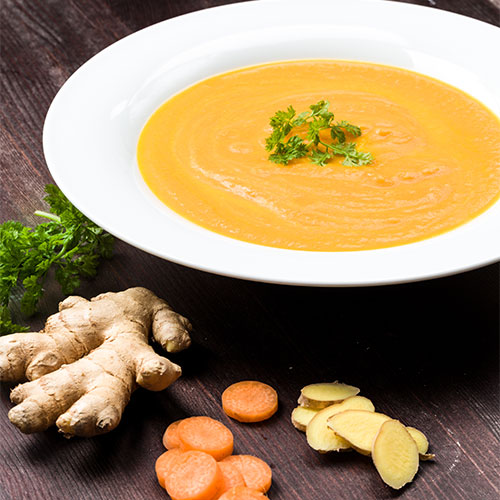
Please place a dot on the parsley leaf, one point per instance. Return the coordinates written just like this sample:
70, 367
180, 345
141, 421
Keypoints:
320, 158
69, 243
284, 152
285, 148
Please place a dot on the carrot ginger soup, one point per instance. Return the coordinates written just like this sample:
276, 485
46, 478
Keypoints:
436, 157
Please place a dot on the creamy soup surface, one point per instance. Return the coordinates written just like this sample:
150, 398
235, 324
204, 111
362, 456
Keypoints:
436, 157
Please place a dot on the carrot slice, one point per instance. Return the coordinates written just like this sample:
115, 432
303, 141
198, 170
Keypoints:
205, 434
242, 493
250, 401
231, 476
193, 475
164, 463
256, 473
170, 438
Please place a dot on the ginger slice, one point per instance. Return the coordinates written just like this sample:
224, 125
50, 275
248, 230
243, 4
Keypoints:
358, 427
395, 454
319, 396
301, 416
323, 439
422, 443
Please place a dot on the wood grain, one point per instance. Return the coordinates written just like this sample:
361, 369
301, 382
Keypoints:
426, 353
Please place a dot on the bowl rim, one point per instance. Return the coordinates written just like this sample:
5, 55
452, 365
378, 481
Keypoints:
246, 260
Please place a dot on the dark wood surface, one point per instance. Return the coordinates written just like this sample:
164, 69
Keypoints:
426, 353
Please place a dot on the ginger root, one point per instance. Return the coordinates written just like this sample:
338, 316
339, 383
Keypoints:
88, 359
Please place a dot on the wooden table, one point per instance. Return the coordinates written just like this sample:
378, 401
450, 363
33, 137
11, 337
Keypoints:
426, 353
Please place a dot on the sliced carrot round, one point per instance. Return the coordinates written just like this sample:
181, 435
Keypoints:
231, 476
205, 434
242, 493
163, 464
193, 475
170, 438
256, 473
250, 401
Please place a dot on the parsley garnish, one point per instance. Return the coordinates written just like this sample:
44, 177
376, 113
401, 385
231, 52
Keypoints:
69, 243
285, 148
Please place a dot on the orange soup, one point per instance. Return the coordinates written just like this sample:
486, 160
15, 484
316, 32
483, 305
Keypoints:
436, 157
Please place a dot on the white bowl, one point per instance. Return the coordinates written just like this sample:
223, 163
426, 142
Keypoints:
92, 127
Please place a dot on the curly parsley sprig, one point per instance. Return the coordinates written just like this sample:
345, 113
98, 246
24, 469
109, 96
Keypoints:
285, 148
69, 243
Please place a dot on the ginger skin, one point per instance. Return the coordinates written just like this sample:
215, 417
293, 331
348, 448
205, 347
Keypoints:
88, 359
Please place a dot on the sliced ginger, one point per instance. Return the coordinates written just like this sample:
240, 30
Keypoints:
358, 427
89, 358
353, 423
395, 454
360, 430
422, 443
301, 416
320, 437
319, 396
